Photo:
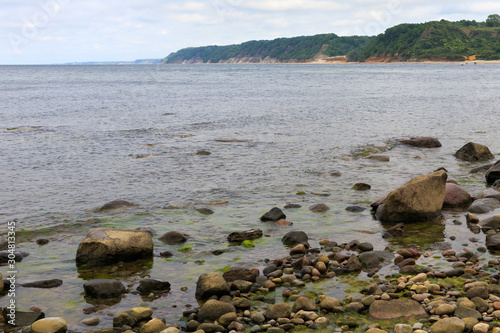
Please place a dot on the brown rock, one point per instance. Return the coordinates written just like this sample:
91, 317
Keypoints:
396, 309
456, 197
422, 142
473, 152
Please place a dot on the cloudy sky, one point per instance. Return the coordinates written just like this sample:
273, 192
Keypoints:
58, 31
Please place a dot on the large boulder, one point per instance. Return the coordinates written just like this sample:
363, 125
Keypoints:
396, 309
421, 142
492, 222
456, 197
211, 284
493, 173
295, 237
448, 325
213, 309
473, 152
420, 199
104, 246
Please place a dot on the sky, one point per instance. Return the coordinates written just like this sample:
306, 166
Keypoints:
61, 31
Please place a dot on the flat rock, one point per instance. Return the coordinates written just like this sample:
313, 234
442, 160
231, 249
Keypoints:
396, 309
54, 283
463, 312
116, 205
420, 199
448, 325
375, 259
473, 152
241, 236
422, 142
174, 237
104, 246
147, 286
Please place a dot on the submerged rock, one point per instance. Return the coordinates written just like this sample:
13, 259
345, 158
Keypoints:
473, 152
54, 283
115, 205
273, 215
174, 237
493, 173
319, 208
23, 318
421, 142
104, 288
104, 246
152, 285
420, 199
240, 236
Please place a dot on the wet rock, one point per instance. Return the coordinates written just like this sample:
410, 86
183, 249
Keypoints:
294, 237
104, 288
298, 249
304, 303
493, 242
361, 187
205, 211
419, 199
54, 283
241, 236
479, 291
104, 246
4, 243
448, 325
49, 325
365, 247
490, 223
23, 318
455, 272
330, 304
212, 310
211, 328
421, 142
292, 205
463, 312
375, 259
244, 287
353, 264
92, 321
456, 197
492, 193
174, 237
280, 310
283, 222
319, 208
203, 153
18, 256
147, 286
473, 152
211, 284
273, 215
116, 205
394, 231
482, 206
379, 158
132, 316
42, 241
354, 209
241, 274
493, 173
396, 309
482, 168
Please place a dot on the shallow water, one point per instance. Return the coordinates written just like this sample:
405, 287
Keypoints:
75, 137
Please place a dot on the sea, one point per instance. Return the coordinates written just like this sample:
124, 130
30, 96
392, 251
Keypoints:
237, 139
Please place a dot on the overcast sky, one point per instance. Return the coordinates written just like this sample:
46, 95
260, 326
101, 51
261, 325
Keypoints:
58, 31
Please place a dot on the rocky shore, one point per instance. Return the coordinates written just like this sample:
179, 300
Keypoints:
400, 293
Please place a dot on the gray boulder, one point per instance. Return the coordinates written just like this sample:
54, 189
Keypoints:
174, 237
473, 152
493, 173
375, 259
485, 205
104, 246
294, 237
275, 214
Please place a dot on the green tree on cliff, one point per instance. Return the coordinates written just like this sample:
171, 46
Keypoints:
493, 20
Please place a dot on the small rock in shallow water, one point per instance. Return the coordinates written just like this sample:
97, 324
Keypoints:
292, 205
115, 205
92, 321
361, 187
274, 214
54, 283
42, 241
294, 237
174, 237
205, 211
354, 209
49, 325
319, 208
104, 288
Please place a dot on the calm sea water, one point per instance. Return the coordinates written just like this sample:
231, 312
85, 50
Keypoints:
75, 137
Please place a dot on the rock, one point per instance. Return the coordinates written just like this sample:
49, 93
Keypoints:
23, 318
54, 283
319, 208
104, 246
42, 241
213, 309
419, 199
211, 284
92, 321
283, 222
330, 304
469, 323
492, 193
482, 168
353, 264
294, 237
203, 152
379, 158
448, 325
361, 187
241, 236
456, 197
455, 272
279, 310
227, 318
493, 173
473, 152
481, 304
422, 142
445, 309
481, 328
396, 309
147, 286
298, 249
4, 243
155, 325
354, 209
479, 291
490, 223
394, 231
304, 303
211, 328
104, 288
292, 205
205, 211
365, 247
463, 312
496, 184
403, 328
115, 206
18, 256
241, 274
49, 325
174, 237
273, 215
375, 259
354, 307
493, 242
257, 317
482, 206
132, 316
